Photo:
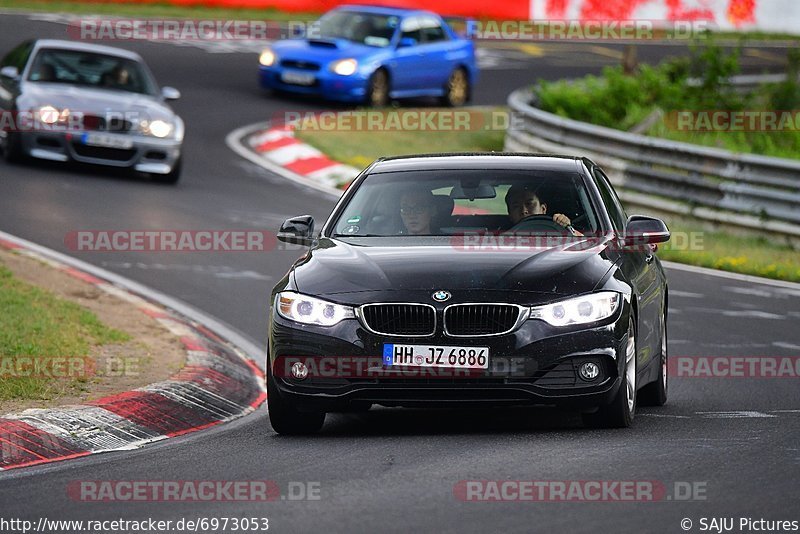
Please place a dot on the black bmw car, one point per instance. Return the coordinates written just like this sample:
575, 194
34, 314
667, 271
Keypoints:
466, 280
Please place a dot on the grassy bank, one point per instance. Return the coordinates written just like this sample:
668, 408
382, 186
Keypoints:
359, 147
35, 324
620, 100
155, 9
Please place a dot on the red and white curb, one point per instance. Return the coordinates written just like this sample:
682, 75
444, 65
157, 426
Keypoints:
277, 149
218, 383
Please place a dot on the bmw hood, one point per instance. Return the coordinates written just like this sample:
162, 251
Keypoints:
94, 101
360, 273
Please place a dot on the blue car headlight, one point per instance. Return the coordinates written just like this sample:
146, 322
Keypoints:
310, 310
345, 67
579, 310
267, 58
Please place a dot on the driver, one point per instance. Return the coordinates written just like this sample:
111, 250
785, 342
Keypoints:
417, 209
522, 202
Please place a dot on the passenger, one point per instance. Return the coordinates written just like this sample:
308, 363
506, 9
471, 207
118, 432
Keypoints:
417, 209
522, 202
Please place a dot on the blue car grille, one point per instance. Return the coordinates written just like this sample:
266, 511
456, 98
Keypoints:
300, 65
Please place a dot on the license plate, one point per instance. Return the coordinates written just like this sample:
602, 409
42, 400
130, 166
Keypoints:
107, 141
435, 356
298, 78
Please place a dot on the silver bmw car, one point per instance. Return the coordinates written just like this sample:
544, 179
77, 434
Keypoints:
72, 101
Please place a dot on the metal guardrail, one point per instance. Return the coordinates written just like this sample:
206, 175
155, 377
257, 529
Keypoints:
750, 191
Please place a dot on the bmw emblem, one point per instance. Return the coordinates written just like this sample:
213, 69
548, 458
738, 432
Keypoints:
441, 296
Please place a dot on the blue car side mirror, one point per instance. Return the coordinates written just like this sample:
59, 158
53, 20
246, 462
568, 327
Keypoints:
406, 42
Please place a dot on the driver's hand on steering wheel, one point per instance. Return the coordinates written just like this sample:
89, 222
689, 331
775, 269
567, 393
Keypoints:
563, 220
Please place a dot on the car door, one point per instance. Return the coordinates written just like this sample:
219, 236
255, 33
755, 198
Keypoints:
438, 51
408, 65
638, 267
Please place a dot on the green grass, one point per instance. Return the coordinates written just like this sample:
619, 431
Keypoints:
155, 9
360, 148
36, 323
738, 254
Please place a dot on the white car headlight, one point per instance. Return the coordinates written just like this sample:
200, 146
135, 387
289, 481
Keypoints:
267, 58
345, 67
157, 128
51, 115
310, 310
579, 310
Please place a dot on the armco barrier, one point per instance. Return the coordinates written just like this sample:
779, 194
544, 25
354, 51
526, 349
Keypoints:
752, 192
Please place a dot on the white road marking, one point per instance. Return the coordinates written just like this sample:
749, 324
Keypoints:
744, 414
747, 291
784, 345
685, 294
753, 314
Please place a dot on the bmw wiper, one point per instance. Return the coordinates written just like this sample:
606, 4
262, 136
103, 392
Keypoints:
358, 235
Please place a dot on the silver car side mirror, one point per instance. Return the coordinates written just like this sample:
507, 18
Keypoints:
10, 71
170, 93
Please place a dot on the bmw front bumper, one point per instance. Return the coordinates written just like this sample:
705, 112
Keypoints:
535, 365
145, 153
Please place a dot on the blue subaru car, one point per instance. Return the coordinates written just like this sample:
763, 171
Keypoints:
371, 55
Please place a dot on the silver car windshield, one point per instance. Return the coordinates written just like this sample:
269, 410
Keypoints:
90, 69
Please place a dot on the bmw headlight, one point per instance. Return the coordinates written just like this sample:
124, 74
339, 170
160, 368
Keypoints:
580, 310
345, 67
51, 115
310, 310
156, 128
267, 58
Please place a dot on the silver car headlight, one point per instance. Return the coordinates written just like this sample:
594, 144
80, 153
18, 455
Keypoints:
156, 128
310, 310
580, 310
51, 115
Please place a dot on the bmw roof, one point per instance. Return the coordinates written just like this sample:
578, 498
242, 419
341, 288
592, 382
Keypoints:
479, 160
87, 47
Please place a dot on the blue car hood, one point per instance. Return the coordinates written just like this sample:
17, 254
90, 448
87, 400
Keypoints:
322, 51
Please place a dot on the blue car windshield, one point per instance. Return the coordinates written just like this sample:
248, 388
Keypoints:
370, 29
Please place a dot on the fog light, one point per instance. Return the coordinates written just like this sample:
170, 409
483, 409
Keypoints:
299, 370
589, 371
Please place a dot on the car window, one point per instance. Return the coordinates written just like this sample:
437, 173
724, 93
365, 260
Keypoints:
456, 202
411, 29
18, 57
431, 30
92, 69
365, 28
610, 199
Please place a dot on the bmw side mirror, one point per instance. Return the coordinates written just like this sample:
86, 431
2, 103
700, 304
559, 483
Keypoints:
10, 72
642, 230
170, 93
298, 230
406, 42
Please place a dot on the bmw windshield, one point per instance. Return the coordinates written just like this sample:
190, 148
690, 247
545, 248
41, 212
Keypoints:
451, 202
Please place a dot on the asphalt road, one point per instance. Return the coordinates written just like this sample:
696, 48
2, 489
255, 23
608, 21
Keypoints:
393, 469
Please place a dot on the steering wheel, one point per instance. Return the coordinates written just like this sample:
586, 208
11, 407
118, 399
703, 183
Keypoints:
537, 222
